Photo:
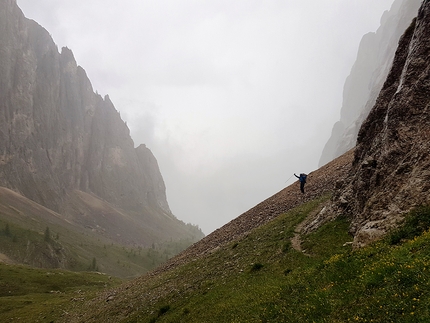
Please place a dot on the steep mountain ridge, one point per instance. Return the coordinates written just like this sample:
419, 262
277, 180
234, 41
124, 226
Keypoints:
59, 140
391, 167
57, 134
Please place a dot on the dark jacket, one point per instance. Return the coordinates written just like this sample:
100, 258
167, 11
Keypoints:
302, 177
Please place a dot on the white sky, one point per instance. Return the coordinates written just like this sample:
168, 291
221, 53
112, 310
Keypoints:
231, 96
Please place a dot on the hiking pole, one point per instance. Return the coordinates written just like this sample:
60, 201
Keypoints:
289, 178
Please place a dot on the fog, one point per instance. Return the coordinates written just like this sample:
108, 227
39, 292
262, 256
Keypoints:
232, 97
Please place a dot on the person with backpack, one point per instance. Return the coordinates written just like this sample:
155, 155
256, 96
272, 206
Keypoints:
302, 180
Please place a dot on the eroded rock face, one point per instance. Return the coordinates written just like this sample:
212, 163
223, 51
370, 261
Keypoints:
374, 58
58, 136
391, 168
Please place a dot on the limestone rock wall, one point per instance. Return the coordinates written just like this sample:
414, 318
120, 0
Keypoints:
57, 135
391, 168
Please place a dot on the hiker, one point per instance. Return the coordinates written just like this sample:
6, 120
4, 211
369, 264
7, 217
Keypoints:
302, 180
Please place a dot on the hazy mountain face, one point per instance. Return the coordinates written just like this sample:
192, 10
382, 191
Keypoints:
57, 136
374, 59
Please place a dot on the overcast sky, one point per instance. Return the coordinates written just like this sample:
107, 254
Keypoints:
231, 96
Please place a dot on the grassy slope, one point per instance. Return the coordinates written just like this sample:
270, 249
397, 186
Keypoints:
74, 246
79, 248
259, 278
38, 295
262, 279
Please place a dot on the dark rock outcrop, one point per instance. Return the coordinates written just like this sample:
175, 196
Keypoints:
391, 167
58, 136
374, 58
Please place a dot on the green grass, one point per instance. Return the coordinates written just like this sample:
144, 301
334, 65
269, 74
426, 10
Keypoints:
32, 247
37, 295
260, 278
415, 223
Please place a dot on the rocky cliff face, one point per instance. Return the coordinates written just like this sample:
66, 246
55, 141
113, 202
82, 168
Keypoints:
391, 168
58, 136
374, 58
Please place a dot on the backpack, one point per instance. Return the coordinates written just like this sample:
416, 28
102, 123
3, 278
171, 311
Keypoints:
303, 176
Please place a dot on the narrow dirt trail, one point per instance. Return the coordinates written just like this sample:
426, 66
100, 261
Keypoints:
296, 241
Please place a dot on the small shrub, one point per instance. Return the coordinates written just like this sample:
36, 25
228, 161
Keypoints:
93, 266
7, 230
186, 311
47, 235
286, 246
163, 310
287, 271
256, 267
